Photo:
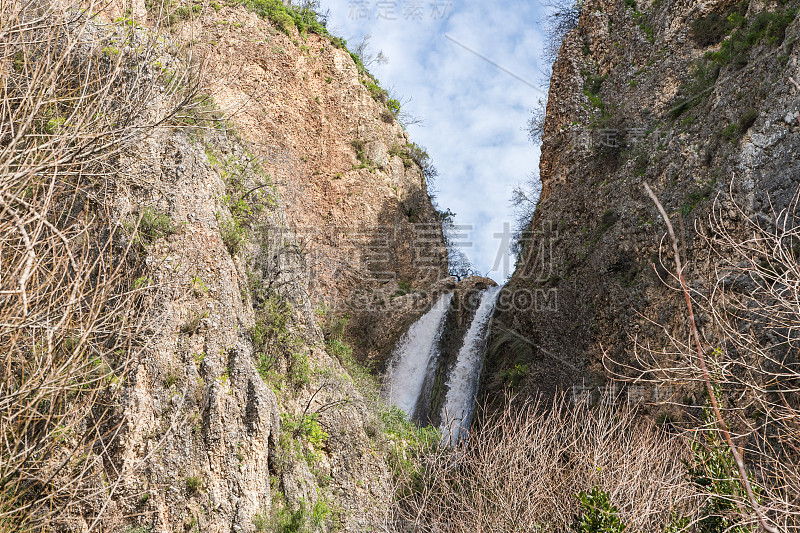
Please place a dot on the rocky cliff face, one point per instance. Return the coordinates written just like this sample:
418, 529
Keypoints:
283, 200
320, 126
701, 101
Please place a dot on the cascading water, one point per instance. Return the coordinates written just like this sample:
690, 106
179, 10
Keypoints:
413, 355
420, 352
462, 385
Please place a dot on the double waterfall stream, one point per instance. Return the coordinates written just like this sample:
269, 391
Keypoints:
435, 368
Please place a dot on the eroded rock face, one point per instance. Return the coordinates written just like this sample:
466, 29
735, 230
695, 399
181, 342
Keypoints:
352, 196
216, 435
627, 76
201, 427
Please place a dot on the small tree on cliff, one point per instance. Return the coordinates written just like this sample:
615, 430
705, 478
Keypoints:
458, 264
524, 199
563, 17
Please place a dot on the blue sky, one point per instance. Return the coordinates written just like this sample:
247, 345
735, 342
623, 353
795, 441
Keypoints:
474, 113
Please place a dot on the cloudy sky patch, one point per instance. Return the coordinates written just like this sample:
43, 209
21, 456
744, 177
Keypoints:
474, 113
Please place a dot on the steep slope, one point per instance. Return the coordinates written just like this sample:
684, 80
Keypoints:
326, 134
700, 100
236, 404
304, 202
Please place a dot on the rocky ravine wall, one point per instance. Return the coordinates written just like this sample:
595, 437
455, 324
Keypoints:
627, 75
213, 433
358, 205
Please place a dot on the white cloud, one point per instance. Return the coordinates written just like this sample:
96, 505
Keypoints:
473, 112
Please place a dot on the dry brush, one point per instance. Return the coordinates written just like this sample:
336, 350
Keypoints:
75, 94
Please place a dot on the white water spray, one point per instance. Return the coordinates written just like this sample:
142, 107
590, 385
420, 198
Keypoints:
413, 355
463, 383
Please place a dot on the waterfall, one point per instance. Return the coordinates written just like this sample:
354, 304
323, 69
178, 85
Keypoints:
463, 382
413, 355
421, 356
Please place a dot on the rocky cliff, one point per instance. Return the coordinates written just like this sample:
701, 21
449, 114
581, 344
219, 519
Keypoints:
701, 101
271, 207
346, 222
348, 175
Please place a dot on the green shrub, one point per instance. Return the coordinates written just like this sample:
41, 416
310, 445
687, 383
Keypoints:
171, 379
408, 442
306, 428
640, 164
301, 17
193, 484
591, 88
301, 520
55, 124
398, 150
730, 132
359, 64
644, 24
598, 515
19, 62
333, 326
769, 26
680, 524
233, 235
513, 376
239, 207
712, 28
378, 94
199, 287
154, 225
420, 156
287, 17
404, 287
340, 350
272, 338
285, 520
320, 512
261, 523
333, 330
713, 471
703, 76
185, 12
272, 319
248, 193
359, 145
299, 369
693, 198
709, 30
394, 106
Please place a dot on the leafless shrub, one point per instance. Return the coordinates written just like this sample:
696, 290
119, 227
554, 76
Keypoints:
562, 17
404, 117
74, 97
741, 346
519, 470
524, 199
366, 56
535, 126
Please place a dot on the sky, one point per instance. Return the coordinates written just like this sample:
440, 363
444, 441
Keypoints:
472, 71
